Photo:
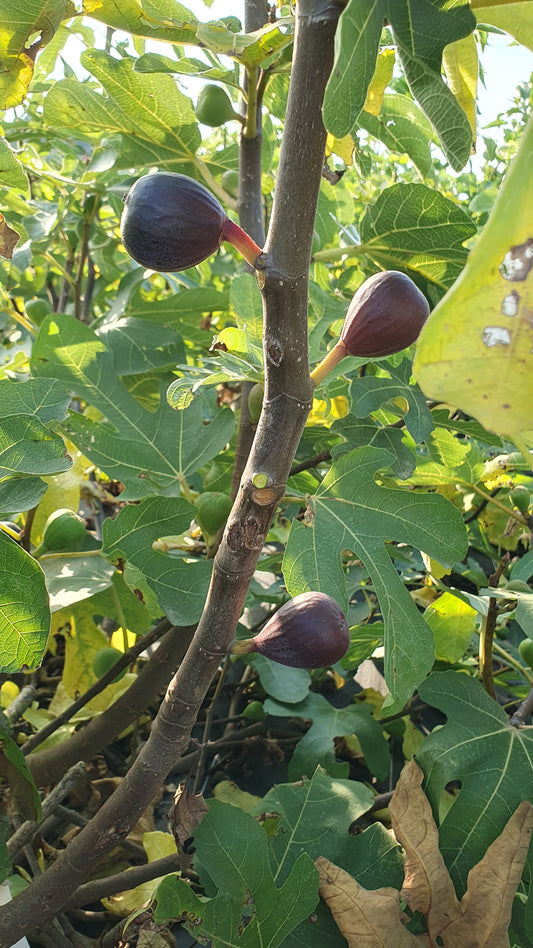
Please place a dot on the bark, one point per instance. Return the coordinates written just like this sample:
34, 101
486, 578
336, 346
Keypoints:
288, 391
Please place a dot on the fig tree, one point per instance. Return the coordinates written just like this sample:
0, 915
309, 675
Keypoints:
309, 631
385, 316
214, 107
171, 222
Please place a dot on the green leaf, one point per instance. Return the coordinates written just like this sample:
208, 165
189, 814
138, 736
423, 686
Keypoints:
514, 18
138, 346
449, 461
24, 608
369, 393
12, 174
403, 128
152, 120
492, 760
179, 583
423, 28
70, 580
19, 44
418, 230
147, 451
453, 623
279, 681
306, 825
356, 49
351, 512
361, 432
442, 109
363, 640
18, 494
317, 747
249, 910
28, 447
153, 62
45, 400
164, 20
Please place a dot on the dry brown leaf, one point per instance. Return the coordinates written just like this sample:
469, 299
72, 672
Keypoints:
186, 813
367, 919
492, 883
427, 886
8, 238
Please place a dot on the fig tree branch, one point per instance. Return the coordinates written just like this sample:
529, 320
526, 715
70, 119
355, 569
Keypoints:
288, 392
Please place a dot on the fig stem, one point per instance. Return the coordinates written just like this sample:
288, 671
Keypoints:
235, 235
242, 647
328, 363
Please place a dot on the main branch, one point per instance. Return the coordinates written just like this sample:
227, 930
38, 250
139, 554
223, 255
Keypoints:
288, 391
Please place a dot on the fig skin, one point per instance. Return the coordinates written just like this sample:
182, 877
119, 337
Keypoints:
309, 631
385, 315
171, 222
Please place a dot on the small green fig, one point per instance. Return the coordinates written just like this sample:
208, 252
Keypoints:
230, 182
214, 107
37, 310
526, 651
254, 711
104, 659
385, 316
309, 631
212, 511
171, 222
255, 402
520, 497
63, 530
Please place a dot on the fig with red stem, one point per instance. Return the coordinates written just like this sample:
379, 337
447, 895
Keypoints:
171, 222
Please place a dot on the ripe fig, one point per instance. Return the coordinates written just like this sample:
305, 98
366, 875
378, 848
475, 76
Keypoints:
385, 315
309, 631
171, 222
214, 107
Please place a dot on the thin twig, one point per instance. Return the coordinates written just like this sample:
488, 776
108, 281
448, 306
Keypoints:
518, 719
487, 632
98, 686
123, 881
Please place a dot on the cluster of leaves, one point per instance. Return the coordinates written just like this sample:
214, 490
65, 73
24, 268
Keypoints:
119, 394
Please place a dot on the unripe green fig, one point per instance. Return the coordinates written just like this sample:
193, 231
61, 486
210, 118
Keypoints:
254, 711
62, 531
171, 222
212, 511
104, 659
385, 316
214, 106
230, 182
520, 497
255, 402
526, 651
37, 310
309, 631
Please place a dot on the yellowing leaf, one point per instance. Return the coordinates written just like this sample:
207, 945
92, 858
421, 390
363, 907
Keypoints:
460, 61
380, 81
342, 147
325, 413
157, 845
452, 622
476, 349
229, 792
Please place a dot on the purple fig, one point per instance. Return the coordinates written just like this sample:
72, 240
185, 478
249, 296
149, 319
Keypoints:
385, 315
171, 222
309, 631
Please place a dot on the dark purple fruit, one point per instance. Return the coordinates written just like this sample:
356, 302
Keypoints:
309, 631
171, 222
385, 316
